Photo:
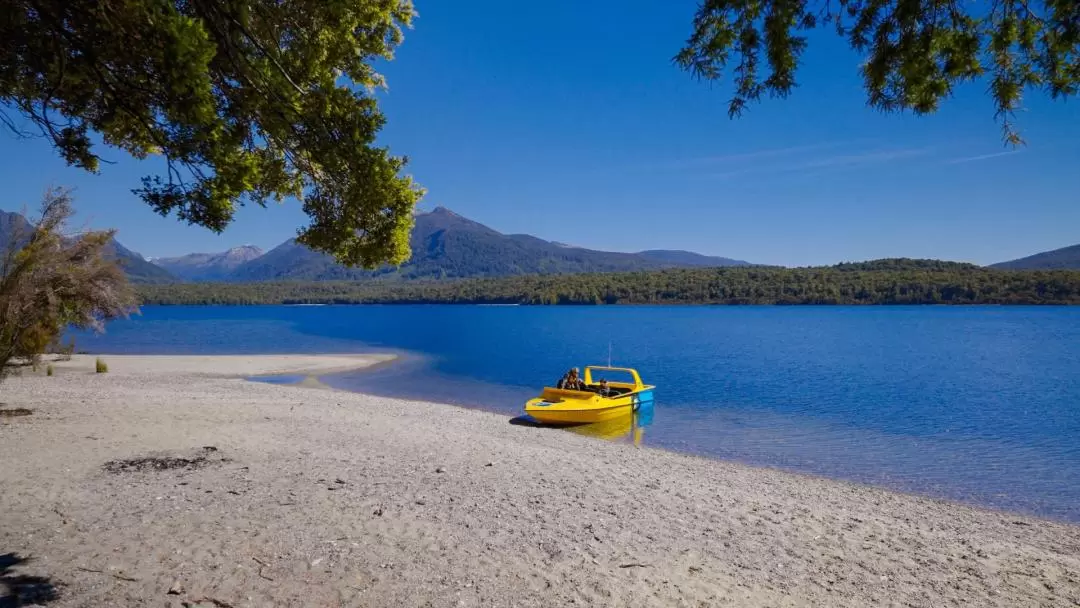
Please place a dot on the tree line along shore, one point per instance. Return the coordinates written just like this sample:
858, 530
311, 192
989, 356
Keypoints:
874, 283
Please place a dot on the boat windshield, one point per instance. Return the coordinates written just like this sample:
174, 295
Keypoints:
616, 377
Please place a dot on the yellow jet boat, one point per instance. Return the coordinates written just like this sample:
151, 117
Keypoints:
564, 406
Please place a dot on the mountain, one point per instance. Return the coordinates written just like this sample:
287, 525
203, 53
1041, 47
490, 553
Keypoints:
137, 268
208, 266
291, 261
11, 224
447, 245
688, 259
1066, 258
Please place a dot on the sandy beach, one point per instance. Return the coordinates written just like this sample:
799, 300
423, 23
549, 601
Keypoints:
172, 481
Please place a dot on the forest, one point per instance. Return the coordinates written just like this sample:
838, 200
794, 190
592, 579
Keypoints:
871, 283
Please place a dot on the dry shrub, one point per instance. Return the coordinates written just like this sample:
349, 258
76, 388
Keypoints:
50, 280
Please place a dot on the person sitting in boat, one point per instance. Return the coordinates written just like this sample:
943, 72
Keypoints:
575, 383
604, 390
571, 381
564, 381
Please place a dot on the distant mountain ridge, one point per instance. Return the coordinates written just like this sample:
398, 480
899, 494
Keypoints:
136, 267
209, 266
12, 223
1066, 258
446, 245
688, 259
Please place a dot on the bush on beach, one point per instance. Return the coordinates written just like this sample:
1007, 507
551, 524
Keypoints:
51, 280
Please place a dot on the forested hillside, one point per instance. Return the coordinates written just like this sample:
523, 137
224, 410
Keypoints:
907, 282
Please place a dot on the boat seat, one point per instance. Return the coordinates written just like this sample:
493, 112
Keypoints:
614, 391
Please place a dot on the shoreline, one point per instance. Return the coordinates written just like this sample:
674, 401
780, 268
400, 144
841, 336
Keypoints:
313, 379
315, 382
227, 366
671, 304
443, 505
948, 496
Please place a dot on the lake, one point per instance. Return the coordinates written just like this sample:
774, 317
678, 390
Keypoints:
976, 404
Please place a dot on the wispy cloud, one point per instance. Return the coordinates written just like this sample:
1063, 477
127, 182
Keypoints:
863, 158
971, 159
834, 161
723, 159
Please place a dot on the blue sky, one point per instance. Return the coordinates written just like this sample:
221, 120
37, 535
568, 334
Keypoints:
567, 120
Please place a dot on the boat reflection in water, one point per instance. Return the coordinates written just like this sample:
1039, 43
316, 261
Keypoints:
631, 426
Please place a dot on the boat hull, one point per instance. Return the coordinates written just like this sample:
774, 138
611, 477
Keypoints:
586, 410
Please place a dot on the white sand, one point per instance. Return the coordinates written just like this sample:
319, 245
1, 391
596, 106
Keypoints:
224, 366
325, 498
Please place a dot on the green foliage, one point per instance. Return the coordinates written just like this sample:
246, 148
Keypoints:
247, 101
902, 264
880, 282
916, 51
100, 366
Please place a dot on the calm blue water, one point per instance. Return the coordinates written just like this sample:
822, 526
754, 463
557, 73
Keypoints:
979, 404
